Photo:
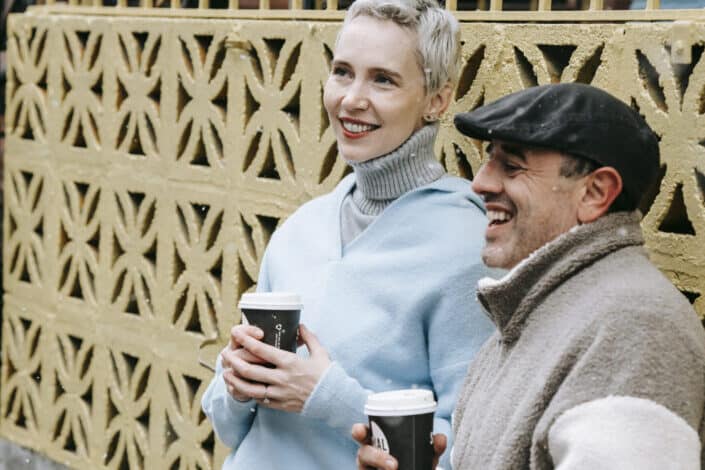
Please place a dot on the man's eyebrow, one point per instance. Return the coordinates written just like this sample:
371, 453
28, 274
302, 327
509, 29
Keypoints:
515, 150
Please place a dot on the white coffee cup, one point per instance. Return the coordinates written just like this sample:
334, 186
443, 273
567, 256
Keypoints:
401, 423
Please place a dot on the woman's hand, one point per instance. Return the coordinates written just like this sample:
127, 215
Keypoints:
370, 457
288, 385
239, 387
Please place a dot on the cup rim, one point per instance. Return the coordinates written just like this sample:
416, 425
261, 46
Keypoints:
400, 403
270, 301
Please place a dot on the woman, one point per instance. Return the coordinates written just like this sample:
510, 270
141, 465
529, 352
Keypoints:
386, 264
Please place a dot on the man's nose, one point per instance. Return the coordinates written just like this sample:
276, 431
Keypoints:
487, 180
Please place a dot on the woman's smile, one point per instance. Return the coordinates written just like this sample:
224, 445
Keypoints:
355, 129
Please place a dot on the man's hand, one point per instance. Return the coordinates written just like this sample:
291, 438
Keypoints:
368, 456
371, 457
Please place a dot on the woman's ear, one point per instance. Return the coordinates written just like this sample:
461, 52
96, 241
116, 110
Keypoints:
602, 187
439, 101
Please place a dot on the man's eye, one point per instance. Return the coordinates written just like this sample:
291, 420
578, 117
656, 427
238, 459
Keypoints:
511, 168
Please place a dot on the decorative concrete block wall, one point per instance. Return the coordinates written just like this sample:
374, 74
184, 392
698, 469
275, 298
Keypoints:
149, 159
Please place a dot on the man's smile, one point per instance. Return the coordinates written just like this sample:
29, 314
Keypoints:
498, 217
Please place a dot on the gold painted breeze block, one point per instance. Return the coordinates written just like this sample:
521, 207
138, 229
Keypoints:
148, 163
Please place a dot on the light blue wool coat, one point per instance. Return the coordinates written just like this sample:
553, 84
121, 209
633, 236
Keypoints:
395, 309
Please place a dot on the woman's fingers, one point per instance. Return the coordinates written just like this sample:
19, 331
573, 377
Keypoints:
262, 350
247, 330
229, 356
315, 348
253, 372
240, 389
247, 356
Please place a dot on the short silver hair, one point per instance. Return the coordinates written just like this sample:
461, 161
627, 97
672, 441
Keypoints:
437, 34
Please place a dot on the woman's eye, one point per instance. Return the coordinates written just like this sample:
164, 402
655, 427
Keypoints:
340, 71
383, 79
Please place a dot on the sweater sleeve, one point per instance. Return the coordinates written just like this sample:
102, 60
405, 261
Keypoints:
338, 400
231, 419
660, 364
457, 329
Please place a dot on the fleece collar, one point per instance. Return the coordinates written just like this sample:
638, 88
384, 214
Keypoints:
510, 300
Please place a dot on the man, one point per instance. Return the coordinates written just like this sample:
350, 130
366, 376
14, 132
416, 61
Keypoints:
598, 361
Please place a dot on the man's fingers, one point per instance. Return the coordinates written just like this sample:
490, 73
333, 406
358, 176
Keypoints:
439, 444
360, 433
368, 456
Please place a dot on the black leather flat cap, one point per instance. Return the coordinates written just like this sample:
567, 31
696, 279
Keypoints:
580, 120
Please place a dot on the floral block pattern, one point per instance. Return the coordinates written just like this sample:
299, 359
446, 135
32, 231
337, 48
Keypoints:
149, 162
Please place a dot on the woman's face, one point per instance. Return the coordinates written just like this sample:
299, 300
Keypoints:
375, 95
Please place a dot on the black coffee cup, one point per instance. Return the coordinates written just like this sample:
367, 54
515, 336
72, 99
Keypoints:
276, 314
401, 424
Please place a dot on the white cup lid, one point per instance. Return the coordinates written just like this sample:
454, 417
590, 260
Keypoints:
271, 301
413, 401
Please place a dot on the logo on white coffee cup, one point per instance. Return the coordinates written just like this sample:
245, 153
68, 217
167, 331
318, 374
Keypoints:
278, 335
379, 440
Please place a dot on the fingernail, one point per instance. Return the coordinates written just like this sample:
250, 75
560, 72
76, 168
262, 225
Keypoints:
389, 463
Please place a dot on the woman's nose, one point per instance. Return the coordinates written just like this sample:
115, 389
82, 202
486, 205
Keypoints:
356, 97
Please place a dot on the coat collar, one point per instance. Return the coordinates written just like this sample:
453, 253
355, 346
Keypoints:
510, 300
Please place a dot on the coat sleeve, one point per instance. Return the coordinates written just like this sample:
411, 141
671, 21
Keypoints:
623, 432
231, 419
457, 328
644, 387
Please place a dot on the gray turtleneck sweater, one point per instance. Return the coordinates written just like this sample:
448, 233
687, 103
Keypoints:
380, 181
598, 362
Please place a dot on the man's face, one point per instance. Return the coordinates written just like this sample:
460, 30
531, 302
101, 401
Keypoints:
528, 202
